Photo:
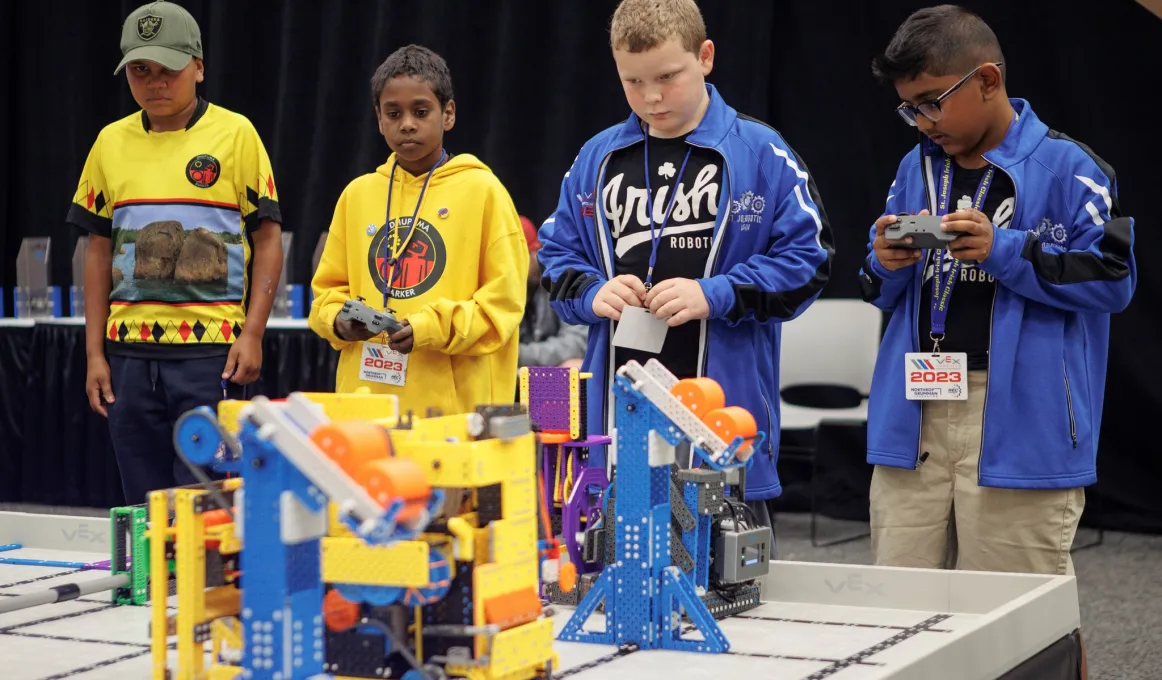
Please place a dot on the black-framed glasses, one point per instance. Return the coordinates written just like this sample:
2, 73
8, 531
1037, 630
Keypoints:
932, 109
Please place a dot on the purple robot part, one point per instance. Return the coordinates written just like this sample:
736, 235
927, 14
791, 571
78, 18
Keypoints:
586, 498
548, 466
550, 453
549, 398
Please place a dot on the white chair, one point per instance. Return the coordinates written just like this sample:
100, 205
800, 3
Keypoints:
831, 345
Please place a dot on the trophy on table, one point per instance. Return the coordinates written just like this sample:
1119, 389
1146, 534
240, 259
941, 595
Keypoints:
34, 297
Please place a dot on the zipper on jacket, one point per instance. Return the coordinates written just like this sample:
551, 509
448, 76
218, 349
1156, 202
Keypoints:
992, 310
607, 261
925, 168
715, 251
1069, 405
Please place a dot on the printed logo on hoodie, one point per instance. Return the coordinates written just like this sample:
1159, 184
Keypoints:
419, 267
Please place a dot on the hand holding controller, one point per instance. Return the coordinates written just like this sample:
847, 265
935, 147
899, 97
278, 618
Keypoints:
921, 231
898, 254
363, 322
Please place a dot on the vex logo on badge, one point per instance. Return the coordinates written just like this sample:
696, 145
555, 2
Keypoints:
932, 363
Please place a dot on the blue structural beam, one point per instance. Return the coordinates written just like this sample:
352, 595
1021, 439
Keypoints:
282, 609
16, 561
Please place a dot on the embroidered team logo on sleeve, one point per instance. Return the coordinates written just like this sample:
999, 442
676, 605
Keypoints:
203, 170
420, 266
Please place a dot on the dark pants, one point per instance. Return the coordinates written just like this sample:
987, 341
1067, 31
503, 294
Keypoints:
149, 396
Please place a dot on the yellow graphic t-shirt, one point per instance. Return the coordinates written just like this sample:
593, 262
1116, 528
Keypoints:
180, 209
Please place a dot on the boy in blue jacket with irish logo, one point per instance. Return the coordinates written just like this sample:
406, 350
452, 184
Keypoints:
688, 226
986, 401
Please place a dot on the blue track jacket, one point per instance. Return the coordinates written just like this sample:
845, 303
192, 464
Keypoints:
1063, 266
769, 259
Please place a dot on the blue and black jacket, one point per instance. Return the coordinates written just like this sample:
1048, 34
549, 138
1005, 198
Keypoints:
1064, 264
769, 259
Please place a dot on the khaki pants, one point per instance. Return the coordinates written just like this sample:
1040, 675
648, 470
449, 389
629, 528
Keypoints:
938, 517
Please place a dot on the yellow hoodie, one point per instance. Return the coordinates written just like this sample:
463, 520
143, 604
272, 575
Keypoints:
461, 282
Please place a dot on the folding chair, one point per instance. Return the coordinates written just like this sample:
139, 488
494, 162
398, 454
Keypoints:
831, 348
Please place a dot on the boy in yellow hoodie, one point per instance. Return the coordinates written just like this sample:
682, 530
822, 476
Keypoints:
450, 262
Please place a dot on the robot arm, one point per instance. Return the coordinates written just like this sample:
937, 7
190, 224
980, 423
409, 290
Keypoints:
382, 498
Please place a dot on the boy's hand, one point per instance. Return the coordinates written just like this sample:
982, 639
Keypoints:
976, 239
353, 331
678, 301
99, 385
402, 340
894, 258
244, 360
618, 292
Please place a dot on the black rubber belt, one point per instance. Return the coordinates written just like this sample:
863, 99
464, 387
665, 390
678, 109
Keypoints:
896, 639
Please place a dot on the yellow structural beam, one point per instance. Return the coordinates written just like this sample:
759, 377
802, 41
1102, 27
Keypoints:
465, 464
190, 566
158, 532
381, 408
350, 560
517, 654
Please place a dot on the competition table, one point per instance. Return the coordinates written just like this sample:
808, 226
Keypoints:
818, 621
55, 451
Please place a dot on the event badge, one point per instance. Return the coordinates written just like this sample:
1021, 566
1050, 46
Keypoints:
640, 330
382, 364
939, 376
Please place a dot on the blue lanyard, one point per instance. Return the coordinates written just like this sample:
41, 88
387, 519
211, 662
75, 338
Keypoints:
389, 261
942, 285
657, 237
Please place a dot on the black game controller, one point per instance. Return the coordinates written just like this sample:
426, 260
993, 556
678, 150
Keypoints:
376, 322
926, 232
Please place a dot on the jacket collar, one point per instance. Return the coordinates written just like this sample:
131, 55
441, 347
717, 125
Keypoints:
715, 124
1024, 135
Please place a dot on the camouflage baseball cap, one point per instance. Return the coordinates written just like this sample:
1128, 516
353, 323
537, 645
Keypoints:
162, 32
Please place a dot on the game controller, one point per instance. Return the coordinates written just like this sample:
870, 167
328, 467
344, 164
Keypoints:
376, 322
926, 232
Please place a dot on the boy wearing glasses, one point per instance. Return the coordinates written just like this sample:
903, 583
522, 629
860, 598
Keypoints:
986, 402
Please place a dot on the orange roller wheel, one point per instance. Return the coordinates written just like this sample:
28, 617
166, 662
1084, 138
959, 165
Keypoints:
390, 478
567, 578
731, 422
339, 613
213, 518
352, 444
700, 395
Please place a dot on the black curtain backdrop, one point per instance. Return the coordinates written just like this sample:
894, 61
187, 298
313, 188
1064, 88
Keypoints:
535, 79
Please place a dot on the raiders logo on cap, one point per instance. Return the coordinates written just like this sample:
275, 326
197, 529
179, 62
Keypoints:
148, 26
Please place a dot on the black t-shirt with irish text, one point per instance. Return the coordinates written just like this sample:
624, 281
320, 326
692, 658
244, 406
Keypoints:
967, 326
683, 247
